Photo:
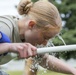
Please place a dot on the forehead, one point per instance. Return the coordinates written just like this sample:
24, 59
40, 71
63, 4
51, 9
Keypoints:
48, 31
48, 34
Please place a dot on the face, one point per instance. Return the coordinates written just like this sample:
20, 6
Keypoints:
35, 37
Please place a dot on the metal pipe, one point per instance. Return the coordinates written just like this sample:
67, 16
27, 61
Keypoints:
56, 49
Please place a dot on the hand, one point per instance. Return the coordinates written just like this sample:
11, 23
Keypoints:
24, 50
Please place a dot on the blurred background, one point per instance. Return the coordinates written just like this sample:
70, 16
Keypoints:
67, 9
8, 7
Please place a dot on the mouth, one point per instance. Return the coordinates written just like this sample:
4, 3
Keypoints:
23, 40
40, 46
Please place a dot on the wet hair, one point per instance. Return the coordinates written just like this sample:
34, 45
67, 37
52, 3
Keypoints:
44, 12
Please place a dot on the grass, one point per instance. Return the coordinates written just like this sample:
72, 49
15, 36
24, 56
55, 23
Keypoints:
39, 73
49, 73
14, 72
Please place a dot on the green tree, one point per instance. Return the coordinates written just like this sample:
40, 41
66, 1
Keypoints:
67, 10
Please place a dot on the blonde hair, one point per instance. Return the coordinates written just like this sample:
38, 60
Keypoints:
44, 12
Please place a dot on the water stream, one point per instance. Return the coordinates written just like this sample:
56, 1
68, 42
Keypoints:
19, 65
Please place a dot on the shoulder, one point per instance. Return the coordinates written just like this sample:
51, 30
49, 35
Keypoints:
6, 19
6, 24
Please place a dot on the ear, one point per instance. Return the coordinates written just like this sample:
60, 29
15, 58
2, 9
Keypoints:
32, 23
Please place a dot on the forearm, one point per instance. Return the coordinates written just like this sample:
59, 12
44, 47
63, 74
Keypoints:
4, 47
54, 64
29, 67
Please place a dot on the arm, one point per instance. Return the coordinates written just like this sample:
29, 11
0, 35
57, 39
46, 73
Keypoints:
54, 64
23, 49
30, 69
4, 39
4, 47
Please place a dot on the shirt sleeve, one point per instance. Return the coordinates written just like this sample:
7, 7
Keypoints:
4, 38
5, 29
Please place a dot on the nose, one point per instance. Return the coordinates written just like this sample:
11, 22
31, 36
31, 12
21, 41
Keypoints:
41, 44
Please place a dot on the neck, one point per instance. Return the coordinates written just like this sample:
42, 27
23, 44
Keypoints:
22, 38
21, 28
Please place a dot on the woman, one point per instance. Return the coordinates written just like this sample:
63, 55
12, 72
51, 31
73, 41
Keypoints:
39, 23
46, 23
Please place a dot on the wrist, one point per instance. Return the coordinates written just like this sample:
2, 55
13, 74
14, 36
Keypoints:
4, 47
8, 46
12, 48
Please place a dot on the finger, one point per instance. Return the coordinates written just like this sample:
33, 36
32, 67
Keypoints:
21, 51
25, 53
30, 53
20, 54
33, 49
34, 52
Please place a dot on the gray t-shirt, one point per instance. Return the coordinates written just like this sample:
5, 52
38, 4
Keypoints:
8, 25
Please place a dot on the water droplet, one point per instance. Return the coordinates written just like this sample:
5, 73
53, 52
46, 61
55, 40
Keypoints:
61, 39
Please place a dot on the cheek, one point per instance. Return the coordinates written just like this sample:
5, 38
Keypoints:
34, 38
28, 35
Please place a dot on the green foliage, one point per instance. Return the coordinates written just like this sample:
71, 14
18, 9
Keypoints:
34, 0
69, 36
67, 9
